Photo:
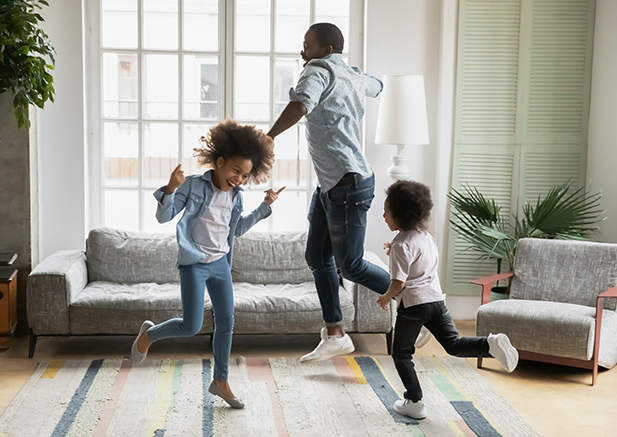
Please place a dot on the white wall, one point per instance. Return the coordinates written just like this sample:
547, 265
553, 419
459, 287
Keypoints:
602, 153
60, 136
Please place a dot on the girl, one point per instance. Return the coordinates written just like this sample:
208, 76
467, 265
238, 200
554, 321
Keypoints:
212, 205
415, 285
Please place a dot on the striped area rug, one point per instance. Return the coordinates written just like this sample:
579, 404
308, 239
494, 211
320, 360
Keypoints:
350, 396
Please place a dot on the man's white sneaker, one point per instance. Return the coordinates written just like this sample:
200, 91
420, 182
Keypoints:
423, 338
415, 410
501, 349
329, 346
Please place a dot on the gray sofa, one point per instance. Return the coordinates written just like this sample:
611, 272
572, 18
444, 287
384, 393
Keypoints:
562, 294
124, 278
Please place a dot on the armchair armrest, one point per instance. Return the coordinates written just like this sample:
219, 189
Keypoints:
487, 281
52, 286
611, 292
369, 317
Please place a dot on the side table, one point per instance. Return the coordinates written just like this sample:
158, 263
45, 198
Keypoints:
8, 300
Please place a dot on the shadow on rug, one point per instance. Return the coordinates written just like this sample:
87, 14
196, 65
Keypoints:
350, 396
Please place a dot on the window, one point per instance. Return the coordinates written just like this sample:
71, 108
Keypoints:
165, 71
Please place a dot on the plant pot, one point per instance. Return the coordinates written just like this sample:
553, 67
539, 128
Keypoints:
499, 293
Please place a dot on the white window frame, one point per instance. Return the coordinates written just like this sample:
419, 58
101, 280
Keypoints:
226, 67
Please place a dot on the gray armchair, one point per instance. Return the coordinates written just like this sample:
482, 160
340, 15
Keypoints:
560, 308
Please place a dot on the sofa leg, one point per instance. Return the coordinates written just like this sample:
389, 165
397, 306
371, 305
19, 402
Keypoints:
389, 342
32, 344
479, 362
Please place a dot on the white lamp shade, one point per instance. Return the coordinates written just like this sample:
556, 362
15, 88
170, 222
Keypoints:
402, 111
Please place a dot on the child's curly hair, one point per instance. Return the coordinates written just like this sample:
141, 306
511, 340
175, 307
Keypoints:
230, 139
409, 204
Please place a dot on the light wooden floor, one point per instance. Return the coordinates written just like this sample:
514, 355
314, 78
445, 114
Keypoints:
556, 400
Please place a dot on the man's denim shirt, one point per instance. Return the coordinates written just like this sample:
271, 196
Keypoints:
194, 195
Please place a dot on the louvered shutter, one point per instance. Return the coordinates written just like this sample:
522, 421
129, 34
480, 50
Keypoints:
522, 105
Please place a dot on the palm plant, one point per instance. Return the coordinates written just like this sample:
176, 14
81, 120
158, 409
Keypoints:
562, 214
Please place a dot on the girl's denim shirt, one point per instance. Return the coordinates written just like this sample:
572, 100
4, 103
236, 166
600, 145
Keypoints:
194, 196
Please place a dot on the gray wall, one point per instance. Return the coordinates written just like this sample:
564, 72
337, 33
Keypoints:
15, 225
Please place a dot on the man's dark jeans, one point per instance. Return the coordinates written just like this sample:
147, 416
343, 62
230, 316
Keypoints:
437, 319
337, 227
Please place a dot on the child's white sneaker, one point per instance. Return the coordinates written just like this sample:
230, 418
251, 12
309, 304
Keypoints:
329, 347
415, 410
423, 338
501, 349
137, 356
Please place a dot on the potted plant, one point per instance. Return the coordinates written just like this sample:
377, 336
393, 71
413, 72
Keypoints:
563, 213
24, 54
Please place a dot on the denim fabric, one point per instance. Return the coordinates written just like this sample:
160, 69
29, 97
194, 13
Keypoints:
437, 319
337, 227
194, 279
334, 96
194, 196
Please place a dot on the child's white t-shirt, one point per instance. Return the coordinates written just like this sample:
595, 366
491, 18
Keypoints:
414, 260
211, 230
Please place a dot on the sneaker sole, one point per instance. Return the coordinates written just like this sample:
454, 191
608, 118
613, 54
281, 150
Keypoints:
509, 352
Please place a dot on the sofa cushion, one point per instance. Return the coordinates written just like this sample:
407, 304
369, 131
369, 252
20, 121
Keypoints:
564, 271
552, 328
283, 308
270, 258
131, 257
114, 308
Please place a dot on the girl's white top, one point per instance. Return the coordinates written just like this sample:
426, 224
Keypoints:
211, 230
414, 260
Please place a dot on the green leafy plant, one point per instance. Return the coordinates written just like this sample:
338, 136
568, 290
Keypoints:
24, 53
563, 213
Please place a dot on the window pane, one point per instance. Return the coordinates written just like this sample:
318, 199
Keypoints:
252, 26
192, 134
201, 27
161, 86
120, 73
160, 24
201, 90
252, 199
252, 88
291, 165
150, 222
286, 72
289, 211
160, 153
292, 22
120, 154
335, 12
119, 24
121, 210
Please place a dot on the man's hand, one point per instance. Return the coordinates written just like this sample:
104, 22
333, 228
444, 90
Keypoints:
272, 195
175, 180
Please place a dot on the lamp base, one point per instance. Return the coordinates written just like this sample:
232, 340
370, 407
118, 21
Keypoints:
398, 169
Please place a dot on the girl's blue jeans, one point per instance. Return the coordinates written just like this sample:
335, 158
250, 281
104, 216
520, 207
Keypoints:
337, 227
194, 280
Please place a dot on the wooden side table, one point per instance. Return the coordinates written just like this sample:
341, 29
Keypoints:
8, 300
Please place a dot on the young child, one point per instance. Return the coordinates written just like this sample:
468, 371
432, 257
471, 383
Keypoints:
415, 285
331, 95
212, 205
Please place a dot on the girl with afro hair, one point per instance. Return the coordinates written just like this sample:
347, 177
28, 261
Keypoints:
212, 205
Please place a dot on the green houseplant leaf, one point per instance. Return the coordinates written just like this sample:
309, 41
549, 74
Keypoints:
26, 57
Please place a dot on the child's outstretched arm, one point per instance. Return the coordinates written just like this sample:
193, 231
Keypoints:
170, 201
394, 290
261, 212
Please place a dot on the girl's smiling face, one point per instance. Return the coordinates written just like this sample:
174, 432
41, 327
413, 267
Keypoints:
231, 172
312, 49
